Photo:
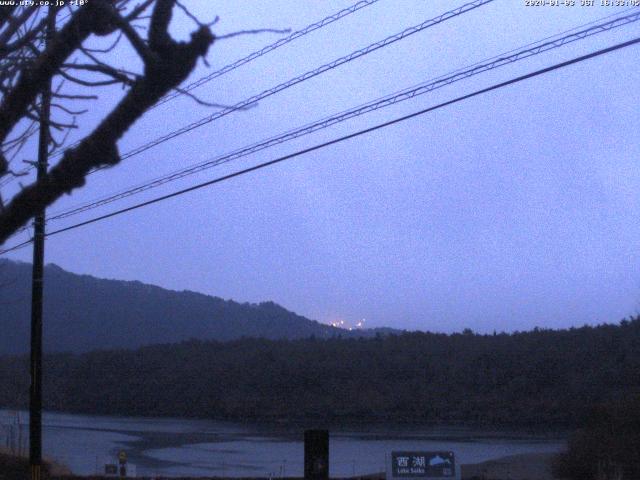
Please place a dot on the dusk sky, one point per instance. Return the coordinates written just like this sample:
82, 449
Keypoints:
514, 209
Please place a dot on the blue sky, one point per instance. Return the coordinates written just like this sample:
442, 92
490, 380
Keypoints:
511, 210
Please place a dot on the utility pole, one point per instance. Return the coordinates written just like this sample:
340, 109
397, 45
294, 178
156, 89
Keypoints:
35, 390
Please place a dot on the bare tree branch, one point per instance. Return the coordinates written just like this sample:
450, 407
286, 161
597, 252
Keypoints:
194, 18
118, 76
67, 110
14, 24
168, 65
159, 25
145, 53
107, 49
135, 13
5, 13
31, 81
87, 83
198, 100
251, 32
75, 97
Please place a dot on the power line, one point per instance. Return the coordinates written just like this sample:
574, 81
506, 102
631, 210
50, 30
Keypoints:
269, 48
406, 94
247, 103
254, 55
358, 133
17, 247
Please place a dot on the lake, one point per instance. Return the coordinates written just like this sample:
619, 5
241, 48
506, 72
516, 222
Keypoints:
174, 447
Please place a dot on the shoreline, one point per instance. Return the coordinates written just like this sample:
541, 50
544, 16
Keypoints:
526, 466
485, 429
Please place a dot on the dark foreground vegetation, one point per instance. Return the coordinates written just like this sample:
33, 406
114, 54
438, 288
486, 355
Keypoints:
13, 467
607, 446
538, 378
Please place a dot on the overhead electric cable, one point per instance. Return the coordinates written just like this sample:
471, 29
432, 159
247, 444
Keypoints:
269, 48
256, 54
457, 75
359, 133
308, 75
247, 103
17, 247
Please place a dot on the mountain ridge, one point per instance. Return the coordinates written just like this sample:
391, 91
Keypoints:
83, 313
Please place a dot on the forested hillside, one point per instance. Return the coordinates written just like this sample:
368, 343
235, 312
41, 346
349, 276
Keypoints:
541, 377
83, 313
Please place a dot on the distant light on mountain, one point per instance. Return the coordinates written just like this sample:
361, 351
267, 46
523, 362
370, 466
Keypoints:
84, 313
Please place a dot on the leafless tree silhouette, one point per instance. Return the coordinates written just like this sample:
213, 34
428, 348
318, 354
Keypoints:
28, 64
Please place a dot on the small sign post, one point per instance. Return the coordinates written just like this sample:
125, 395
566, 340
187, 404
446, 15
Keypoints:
122, 460
110, 470
423, 466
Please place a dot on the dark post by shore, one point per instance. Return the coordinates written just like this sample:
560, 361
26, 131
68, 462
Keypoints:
316, 454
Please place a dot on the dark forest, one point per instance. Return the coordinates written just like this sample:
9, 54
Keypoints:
540, 378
